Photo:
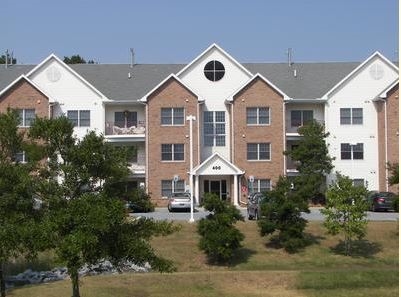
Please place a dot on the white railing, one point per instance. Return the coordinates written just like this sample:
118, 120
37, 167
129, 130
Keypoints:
115, 128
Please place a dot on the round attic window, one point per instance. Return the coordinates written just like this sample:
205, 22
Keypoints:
53, 74
376, 71
214, 70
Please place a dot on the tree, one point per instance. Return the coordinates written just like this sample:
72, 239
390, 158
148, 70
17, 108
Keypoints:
8, 58
20, 221
281, 212
313, 160
394, 171
219, 237
74, 59
88, 223
345, 210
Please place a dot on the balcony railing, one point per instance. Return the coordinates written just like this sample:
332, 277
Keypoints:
115, 128
136, 169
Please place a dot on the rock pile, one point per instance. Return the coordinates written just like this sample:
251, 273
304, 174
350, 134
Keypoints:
59, 273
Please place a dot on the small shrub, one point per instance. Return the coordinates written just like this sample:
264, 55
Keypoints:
219, 238
140, 201
396, 204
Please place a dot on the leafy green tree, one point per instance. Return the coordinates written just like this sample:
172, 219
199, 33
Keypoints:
21, 224
89, 223
394, 178
74, 59
345, 211
3, 59
219, 237
312, 159
281, 213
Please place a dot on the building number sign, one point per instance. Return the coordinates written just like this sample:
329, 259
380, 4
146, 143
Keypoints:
216, 167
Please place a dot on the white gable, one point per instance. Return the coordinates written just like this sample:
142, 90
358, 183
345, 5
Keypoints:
214, 93
217, 165
70, 91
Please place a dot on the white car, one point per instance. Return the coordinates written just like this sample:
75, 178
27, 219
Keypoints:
179, 200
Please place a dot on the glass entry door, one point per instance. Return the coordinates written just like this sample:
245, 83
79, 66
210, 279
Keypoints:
218, 187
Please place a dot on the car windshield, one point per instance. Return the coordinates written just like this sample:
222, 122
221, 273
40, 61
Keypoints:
180, 195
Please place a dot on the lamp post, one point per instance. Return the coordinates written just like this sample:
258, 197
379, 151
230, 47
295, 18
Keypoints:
191, 118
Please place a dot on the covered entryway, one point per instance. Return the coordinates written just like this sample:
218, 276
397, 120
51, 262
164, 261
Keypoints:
219, 176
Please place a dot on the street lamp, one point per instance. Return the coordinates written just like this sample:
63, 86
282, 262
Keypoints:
191, 118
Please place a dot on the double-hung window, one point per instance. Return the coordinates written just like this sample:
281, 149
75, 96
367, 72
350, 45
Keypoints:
79, 118
172, 116
258, 151
259, 185
26, 117
258, 115
214, 128
301, 117
173, 152
351, 116
351, 151
170, 186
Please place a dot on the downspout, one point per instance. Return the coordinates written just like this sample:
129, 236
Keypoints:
147, 147
284, 140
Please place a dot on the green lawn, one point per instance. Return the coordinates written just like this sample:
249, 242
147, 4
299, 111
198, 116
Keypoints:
259, 269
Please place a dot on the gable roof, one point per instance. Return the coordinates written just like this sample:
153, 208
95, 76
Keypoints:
312, 80
23, 77
234, 170
54, 57
346, 78
171, 76
210, 48
257, 75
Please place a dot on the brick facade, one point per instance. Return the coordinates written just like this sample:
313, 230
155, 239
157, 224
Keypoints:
23, 95
171, 94
392, 136
258, 94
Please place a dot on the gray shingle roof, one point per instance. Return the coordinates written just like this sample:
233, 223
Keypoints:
312, 81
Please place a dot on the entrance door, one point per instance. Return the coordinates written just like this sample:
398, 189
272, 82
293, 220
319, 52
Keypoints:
218, 187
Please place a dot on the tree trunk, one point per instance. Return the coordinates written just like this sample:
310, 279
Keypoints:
2, 281
75, 282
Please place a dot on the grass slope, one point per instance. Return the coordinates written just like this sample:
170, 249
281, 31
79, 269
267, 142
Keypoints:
259, 269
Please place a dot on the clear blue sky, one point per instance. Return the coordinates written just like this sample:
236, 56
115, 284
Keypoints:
176, 31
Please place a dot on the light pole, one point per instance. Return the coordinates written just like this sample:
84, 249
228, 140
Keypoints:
191, 118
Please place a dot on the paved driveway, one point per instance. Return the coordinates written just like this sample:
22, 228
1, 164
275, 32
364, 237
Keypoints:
314, 215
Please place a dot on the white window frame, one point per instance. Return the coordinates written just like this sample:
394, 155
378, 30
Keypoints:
172, 117
173, 187
24, 121
258, 151
258, 110
23, 159
352, 119
215, 137
255, 185
302, 111
352, 151
79, 119
173, 152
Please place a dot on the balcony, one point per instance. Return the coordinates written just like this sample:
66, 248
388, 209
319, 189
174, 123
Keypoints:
136, 170
115, 128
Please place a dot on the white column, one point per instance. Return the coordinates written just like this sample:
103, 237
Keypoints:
236, 190
191, 118
197, 189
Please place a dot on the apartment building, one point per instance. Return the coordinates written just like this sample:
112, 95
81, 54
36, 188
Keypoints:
217, 125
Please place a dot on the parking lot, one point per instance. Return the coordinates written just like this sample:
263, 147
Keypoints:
314, 215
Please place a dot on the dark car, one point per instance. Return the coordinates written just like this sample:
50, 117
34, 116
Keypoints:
254, 205
380, 200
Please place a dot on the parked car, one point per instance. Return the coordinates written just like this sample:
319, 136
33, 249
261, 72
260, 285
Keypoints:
380, 200
253, 207
179, 200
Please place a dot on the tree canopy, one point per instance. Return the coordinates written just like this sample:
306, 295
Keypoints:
76, 59
87, 222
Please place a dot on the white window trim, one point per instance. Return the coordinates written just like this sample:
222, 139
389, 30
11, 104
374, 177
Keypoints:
258, 152
172, 153
172, 117
257, 116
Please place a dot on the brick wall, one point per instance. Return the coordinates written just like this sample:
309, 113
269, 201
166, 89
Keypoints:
392, 136
24, 95
169, 95
258, 94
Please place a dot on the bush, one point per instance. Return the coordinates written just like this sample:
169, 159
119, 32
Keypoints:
139, 201
219, 238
